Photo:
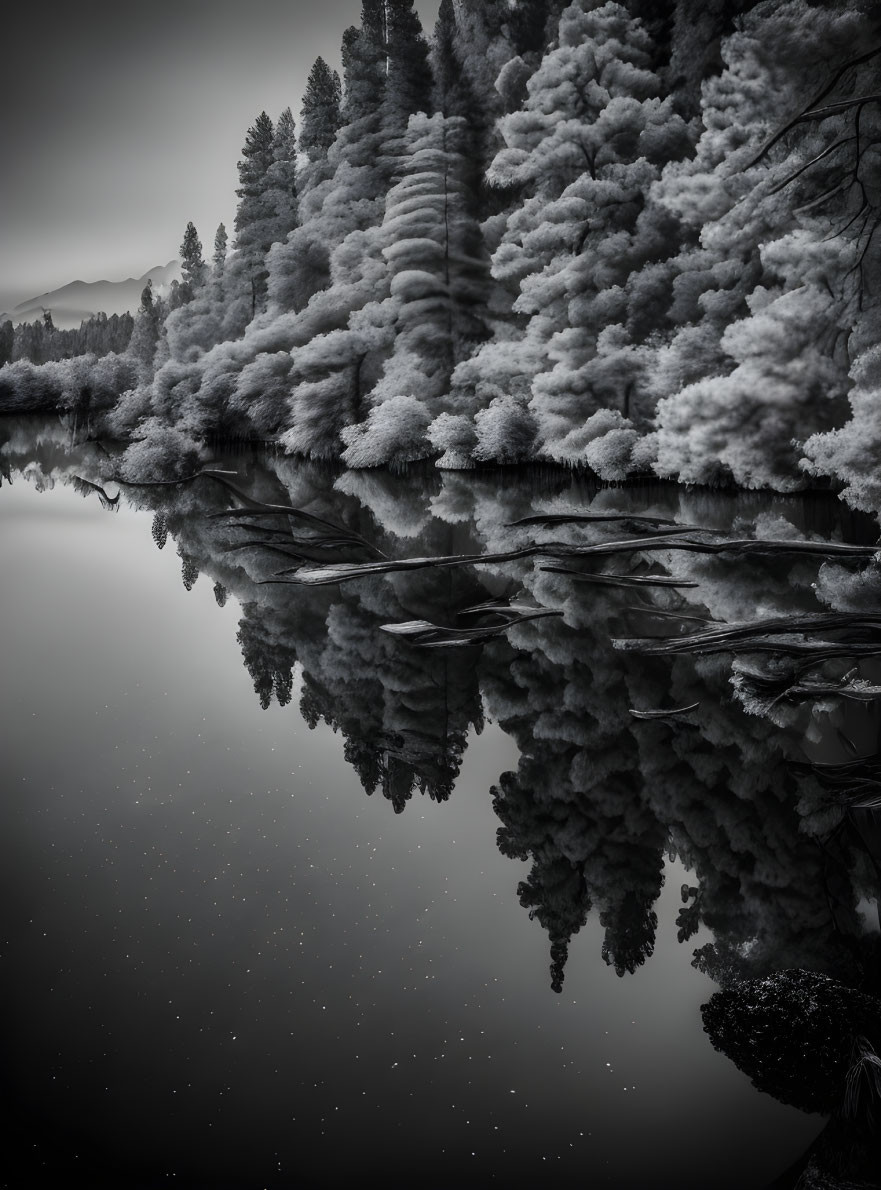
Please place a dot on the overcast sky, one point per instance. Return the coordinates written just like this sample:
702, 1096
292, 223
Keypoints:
121, 122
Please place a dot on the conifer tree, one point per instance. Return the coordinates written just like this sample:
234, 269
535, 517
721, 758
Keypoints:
530, 22
482, 49
192, 264
364, 64
764, 287
218, 260
145, 334
436, 277
282, 176
255, 216
408, 74
446, 67
320, 116
585, 149
7, 338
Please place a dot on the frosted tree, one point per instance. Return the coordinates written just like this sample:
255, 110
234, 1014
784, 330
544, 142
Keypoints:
785, 384
330, 379
339, 242
436, 276
851, 454
346, 192
591, 137
763, 286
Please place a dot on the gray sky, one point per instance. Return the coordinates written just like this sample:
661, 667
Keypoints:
121, 122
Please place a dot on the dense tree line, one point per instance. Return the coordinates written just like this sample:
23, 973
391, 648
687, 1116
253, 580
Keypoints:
41, 342
633, 237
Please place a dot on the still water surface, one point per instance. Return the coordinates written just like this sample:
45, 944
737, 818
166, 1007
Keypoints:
226, 965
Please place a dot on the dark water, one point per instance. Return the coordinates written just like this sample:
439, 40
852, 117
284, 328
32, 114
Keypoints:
224, 964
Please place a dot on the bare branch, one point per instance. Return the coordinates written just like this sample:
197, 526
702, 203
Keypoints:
818, 98
845, 140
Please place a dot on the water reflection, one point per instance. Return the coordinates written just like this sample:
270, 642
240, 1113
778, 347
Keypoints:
770, 805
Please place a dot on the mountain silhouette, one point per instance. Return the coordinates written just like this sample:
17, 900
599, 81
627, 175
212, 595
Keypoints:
77, 300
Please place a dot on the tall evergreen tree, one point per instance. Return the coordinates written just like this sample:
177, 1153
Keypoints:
320, 116
408, 74
218, 260
145, 334
7, 338
364, 63
255, 217
282, 176
446, 67
436, 277
192, 264
530, 22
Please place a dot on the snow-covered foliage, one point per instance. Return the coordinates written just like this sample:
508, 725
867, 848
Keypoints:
563, 232
852, 453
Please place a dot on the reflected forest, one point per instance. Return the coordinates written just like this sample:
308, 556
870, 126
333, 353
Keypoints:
526, 433
688, 676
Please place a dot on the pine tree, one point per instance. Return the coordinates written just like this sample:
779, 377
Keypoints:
446, 67
282, 176
408, 74
531, 22
481, 48
255, 217
320, 116
192, 264
218, 260
7, 339
364, 64
145, 334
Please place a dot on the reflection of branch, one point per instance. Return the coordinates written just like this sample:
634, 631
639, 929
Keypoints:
621, 580
85, 487
669, 714
428, 635
316, 576
255, 507
766, 636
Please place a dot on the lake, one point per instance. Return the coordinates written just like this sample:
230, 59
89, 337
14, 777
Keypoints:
293, 899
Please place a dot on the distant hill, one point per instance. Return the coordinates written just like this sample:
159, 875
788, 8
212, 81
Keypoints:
81, 299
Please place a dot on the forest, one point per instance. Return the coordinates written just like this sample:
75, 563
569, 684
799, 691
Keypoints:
639, 239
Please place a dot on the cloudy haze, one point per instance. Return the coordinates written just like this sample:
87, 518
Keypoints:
123, 122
